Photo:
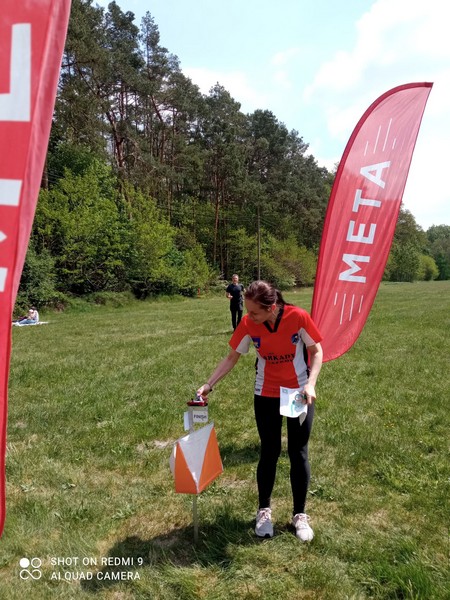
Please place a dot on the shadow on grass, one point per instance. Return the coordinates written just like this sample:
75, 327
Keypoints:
232, 455
174, 549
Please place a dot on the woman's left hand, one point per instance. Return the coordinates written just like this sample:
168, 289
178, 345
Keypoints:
309, 393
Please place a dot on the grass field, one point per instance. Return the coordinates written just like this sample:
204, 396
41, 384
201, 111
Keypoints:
97, 399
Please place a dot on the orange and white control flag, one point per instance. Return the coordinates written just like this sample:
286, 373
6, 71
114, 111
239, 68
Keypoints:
195, 461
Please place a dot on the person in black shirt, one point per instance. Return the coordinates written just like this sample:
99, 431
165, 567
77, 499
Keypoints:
234, 294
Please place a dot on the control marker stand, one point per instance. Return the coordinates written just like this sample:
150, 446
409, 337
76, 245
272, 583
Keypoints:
196, 413
195, 461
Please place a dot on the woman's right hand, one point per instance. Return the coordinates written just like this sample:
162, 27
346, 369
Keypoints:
204, 390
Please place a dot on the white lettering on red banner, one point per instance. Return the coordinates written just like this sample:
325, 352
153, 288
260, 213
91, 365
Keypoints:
3, 275
361, 236
15, 105
10, 192
350, 260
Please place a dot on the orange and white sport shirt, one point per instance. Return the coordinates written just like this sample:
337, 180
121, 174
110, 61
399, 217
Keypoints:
281, 349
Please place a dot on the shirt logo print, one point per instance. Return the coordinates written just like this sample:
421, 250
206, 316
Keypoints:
256, 342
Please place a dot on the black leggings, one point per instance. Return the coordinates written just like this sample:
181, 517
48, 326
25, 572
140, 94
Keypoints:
269, 422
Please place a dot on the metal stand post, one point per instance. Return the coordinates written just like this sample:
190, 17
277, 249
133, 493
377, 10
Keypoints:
201, 415
194, 499
195, 518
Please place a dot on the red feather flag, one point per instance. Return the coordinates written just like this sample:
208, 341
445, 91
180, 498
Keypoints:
362, 214
32, 37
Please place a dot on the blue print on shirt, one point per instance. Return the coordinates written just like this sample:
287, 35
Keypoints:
256, 342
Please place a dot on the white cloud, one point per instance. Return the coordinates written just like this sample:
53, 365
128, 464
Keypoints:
398, 42
280, 59
281, 74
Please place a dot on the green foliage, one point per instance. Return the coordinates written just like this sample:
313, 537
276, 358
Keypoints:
443, 265
438, 232
186, 272
278, 274
409, 244
428, 269
242, 253
403, 263
209, 168
439, 240
286, 264
153, 263
37, 286
151, 242
75, 158
93, 242
408, 232
113, 299
84, 231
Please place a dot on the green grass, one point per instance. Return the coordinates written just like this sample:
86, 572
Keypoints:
97, 399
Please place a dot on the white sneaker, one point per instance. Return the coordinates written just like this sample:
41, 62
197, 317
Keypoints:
302, 529
264, 527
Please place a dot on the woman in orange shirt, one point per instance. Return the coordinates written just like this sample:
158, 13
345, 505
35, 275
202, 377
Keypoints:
289, 352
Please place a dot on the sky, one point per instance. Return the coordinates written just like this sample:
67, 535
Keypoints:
317, 66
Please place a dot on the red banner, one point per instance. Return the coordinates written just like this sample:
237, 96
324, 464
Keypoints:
362, 214
32, 37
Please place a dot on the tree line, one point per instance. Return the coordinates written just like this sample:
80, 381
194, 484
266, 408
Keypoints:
152, 187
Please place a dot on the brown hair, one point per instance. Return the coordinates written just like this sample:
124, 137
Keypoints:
264, 294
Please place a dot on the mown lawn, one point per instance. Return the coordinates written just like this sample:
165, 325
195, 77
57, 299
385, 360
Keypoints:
97, 399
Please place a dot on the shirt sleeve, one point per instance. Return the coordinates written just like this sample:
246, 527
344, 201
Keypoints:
241, 339
308, 331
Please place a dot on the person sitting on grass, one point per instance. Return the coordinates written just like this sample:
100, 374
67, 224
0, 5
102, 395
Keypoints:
32, 318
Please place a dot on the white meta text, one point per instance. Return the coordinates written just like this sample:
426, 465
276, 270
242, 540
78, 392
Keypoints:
362, 233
